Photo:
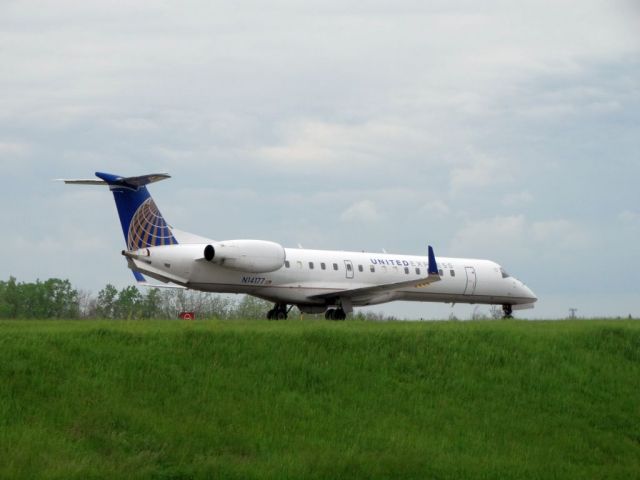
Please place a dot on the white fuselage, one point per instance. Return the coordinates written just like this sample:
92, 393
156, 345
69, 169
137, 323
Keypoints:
309, 274
314, 280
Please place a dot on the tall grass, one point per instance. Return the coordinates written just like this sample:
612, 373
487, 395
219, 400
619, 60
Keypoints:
319, 399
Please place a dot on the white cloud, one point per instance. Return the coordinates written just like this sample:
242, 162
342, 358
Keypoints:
15, 158
135, 124
563, 234
517, 199
315, 145
479, 172
173, 154
490, 234
630, 217
361, 212
435, 208
12, 149
515, 236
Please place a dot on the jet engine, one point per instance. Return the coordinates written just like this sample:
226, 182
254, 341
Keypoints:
255, 256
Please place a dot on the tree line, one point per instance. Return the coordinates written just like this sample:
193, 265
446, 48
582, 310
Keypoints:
57, 298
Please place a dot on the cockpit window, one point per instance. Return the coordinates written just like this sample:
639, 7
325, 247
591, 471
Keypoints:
504, 273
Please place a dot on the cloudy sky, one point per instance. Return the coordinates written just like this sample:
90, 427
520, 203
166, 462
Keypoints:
502, 130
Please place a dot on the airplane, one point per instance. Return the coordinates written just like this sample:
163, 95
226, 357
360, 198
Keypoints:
315, 281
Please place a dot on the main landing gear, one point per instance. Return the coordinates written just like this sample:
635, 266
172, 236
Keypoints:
278, 312
507, 311
335, 314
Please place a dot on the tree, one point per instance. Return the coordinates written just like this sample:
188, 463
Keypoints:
106, 302
5, 306
54, 298
495, 311
31, 300
87, 304
129, 302
61, 299
151, 304
218, 306
251, 307
10, 299
477, 314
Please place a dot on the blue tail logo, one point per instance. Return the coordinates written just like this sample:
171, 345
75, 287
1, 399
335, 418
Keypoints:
147, 228
142, 223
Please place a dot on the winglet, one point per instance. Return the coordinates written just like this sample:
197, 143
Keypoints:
433, 266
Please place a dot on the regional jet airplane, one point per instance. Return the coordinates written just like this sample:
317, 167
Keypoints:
315, 281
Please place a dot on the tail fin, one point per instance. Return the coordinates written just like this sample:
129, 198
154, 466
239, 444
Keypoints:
142, 223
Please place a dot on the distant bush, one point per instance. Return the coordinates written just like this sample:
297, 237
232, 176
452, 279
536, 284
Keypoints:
56, 298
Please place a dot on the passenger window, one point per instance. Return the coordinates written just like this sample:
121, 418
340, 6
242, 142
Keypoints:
299, 264
335, 266
323, 266
287, 264
406, 270
372, 268
310, 265
452, 272
349, 267
417, 271
360, 269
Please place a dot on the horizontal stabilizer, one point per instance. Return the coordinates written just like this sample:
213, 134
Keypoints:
118, 181
132, 182
81, 181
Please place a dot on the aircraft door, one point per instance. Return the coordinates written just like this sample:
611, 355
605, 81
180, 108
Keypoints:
470, 288
348, 267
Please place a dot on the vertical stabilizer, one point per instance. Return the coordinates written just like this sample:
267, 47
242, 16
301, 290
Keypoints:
142, 223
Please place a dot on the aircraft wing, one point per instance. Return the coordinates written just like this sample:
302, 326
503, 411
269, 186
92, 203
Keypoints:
433, 276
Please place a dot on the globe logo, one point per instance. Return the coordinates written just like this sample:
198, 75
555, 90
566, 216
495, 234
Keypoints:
148, 228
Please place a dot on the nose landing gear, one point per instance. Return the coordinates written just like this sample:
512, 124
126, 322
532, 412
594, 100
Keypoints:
507, 311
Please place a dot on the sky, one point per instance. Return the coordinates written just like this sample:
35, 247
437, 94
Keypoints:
500, 130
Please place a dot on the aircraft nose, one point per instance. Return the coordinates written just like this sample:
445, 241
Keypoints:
528, 293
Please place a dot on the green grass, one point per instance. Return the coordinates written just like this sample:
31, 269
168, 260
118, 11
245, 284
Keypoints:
320, 399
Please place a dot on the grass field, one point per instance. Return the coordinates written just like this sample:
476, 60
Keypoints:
318, 399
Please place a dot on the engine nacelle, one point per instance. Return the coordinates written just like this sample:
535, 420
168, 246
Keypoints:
255, 256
